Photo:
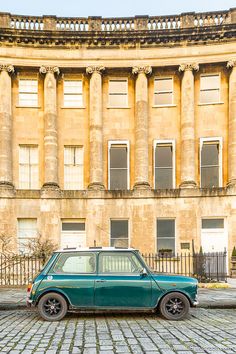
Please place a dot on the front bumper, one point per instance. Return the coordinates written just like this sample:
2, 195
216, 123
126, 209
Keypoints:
29, 303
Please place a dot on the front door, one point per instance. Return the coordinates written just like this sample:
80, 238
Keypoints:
119, 282
73, 234
213, 236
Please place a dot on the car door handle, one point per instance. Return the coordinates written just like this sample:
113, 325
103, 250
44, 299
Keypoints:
100, 281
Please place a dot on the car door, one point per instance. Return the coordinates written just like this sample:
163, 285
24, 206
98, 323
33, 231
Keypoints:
120, 283
74, 274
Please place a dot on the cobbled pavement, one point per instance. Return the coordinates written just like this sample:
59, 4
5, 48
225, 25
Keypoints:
204, 331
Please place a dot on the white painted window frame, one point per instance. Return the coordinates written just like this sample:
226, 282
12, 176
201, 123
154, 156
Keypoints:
74, 146
159, 78
119, 219
167, 218
206, 75
28, 146
77, 94
212, 139
127, 91
119, 142
167, 142
28, 93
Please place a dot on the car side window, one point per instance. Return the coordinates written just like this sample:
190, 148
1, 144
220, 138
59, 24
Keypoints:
119, 263
75, 263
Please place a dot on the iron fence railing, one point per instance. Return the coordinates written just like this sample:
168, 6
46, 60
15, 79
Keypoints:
206, 267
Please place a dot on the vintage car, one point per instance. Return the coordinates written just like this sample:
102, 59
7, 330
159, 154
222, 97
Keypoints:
108, 279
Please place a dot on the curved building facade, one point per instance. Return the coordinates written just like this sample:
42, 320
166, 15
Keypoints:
119, 131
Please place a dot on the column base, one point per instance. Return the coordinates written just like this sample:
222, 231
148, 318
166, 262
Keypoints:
188, 184
141, 185
50, 190
96, 186
7, 189
231, 183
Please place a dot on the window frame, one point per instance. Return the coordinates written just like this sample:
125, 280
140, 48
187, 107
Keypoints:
73, 146
175, 235
119, 142
219, 89
30, 175
124, 274
76, 94
159, 78
119, 219
114, 94
25, 105
51, 271
165, 142
220, 142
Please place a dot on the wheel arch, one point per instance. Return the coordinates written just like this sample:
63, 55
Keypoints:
170, 292
59, 292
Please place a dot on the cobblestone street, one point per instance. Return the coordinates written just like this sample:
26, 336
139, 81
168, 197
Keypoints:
205, 331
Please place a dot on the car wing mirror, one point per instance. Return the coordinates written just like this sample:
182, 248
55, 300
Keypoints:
143, 272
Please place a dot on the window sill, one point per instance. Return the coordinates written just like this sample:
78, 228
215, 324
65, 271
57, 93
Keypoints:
210, 103
18, 106
164, 105
111, 107
73, 107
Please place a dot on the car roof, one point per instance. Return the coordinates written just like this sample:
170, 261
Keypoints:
93, 249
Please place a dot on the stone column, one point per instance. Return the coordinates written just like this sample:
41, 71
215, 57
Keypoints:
6, 179
141, 127
188, 172
96, 127
50, 127
232, 124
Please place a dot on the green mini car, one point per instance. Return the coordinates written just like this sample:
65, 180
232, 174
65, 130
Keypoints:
108, 279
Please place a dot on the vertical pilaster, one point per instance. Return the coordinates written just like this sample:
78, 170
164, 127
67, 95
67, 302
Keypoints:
50, 127
6, 175
141, 127
188, 172
232, 124
96, 127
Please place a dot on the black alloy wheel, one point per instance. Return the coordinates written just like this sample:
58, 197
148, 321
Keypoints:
174, 306
52, 307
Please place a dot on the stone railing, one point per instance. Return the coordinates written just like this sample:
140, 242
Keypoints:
151, 23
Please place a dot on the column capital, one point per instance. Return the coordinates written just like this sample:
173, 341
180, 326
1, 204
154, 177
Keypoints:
231, 63
8, 68
95, 69
136, 70
188, 67
49, 69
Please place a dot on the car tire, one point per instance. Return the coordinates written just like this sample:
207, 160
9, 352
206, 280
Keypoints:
174, 306
52, 307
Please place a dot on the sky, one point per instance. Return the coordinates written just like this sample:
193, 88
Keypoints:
111, 8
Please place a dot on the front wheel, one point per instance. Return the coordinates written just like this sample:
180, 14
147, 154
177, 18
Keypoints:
174, 306
52, 307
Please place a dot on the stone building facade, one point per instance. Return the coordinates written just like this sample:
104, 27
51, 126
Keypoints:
119, 131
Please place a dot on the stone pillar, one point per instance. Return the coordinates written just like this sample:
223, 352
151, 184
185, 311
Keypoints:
50, 127
232, 124
6, 179
141, 127
96, 128
188, 172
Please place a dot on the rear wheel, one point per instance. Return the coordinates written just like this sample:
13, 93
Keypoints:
174, 306
52, 307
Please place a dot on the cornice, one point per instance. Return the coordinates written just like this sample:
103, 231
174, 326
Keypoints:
99, 39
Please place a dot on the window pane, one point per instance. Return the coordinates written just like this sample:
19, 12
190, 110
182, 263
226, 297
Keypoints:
119, 242
163, 178
163, 84
209, 96
119, 229
163, 156
162, 98
118, 157
28, 99
75, 263
118, 100
118, 179
30, 86
166, 244
210, 82
119, 263
73, 87
210, 154
212, 223
209, 177
117, 86
165, 228
73, 226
